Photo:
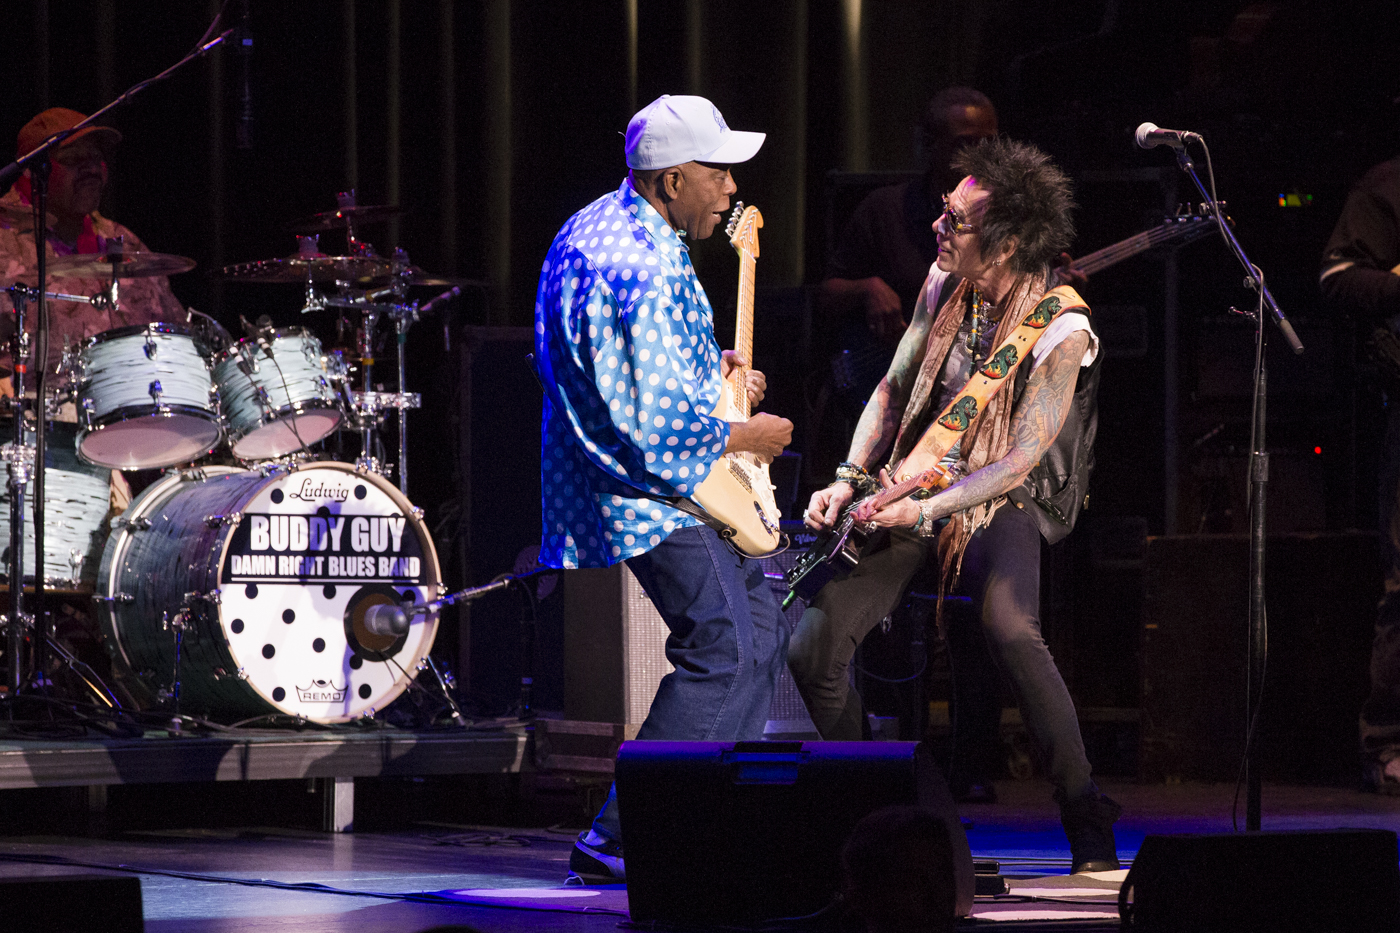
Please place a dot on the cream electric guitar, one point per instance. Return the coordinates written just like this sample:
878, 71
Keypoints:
738, 491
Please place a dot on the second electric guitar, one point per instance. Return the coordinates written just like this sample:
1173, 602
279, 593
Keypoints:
738, 491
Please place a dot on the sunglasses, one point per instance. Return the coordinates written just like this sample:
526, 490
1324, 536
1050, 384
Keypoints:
956, 221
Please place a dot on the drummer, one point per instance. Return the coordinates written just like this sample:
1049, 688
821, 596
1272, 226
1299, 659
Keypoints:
76, 183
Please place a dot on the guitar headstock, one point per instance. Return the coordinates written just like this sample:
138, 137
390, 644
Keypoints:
743, 228
1190, 214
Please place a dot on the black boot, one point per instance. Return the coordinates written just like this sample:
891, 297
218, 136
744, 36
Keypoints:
1088, 822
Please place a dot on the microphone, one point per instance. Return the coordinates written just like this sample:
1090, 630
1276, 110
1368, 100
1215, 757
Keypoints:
243, 38
264, 333
1150, 136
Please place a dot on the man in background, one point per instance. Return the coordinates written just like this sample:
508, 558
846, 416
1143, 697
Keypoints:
888, 244
1359, 278
76, 182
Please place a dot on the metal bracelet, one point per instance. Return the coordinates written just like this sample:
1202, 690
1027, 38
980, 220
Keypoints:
925, 526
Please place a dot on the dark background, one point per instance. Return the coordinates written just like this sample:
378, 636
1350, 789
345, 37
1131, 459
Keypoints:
492, 121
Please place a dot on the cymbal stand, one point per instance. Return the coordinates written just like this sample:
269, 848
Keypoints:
19, 463
368, 417
404, 315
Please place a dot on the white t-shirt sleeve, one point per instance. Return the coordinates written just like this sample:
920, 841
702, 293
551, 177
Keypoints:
933, 284
1064, 325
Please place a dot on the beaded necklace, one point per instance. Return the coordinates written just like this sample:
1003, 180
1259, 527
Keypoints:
981, 309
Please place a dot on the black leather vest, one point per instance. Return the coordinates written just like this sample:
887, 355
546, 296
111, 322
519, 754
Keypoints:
1058, 486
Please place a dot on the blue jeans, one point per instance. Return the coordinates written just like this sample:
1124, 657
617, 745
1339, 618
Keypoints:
728, 644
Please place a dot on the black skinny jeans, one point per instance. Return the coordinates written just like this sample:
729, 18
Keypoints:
1001, 576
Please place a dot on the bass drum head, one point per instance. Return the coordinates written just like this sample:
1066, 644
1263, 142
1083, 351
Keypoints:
271, 573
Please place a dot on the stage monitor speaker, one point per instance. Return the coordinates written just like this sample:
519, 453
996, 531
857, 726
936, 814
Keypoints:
71, 904
737, 833
1277, 882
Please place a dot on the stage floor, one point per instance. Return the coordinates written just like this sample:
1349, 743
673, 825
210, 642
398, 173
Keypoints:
296, 881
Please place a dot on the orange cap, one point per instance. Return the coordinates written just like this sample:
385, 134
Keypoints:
56, 119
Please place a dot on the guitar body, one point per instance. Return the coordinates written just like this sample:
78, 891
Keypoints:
835, 551
738, 490
739, 493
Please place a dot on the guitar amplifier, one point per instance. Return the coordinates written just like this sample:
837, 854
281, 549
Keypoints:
615, 647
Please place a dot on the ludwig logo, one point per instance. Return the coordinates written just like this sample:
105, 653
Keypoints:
322, 691
311, 490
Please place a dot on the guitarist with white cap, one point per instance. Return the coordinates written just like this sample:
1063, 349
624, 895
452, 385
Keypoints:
625, 345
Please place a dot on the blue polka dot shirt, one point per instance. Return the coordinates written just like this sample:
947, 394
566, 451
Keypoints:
624, 339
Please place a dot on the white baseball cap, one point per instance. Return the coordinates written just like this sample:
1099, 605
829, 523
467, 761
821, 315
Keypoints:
675, 130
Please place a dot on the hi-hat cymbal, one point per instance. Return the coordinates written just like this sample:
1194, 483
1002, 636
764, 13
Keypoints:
130, 264
343, 217
299, 269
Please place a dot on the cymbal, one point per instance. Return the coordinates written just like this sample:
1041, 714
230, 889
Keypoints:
299, 269
417, 276
131, 264
338, 219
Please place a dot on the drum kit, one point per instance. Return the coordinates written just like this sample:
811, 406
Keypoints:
269, 580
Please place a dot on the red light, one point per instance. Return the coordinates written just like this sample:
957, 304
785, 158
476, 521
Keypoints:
1317, 450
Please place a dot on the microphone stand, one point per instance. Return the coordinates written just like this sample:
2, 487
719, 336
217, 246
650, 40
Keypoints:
1258, 480
37, 162
19, 461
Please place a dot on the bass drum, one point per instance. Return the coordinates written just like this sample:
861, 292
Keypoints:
264, 577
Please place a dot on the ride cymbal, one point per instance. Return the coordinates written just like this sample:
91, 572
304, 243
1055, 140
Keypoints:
128, 264
299, 269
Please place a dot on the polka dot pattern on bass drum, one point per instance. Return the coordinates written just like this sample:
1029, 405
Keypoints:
274, 607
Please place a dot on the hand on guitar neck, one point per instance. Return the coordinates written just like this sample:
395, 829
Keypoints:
828, 504
763, 435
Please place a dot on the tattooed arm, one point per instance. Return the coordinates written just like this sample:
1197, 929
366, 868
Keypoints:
1035, 424
879, 421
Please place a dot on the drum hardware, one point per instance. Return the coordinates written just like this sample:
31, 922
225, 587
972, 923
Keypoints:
176, 626
447, 683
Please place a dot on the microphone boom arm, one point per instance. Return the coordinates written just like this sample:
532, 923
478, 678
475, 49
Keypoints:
1255, 281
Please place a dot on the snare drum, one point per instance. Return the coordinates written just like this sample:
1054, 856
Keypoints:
77, 498
265, 577
276, 398
145, 398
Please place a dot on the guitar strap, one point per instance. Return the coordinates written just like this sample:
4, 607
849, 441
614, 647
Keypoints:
684, 504
953, 423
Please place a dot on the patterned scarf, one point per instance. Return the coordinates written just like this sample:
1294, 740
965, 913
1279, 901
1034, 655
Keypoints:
989, 438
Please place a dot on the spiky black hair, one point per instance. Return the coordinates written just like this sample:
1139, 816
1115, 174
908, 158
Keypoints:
1029, 198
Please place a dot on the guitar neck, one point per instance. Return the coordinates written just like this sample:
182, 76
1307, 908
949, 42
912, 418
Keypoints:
1184, 230
743, 336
